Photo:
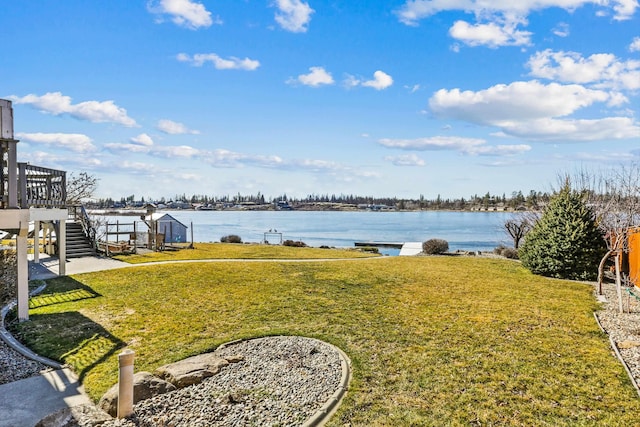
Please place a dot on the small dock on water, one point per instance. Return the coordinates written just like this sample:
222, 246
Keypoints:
396, 245
406, 248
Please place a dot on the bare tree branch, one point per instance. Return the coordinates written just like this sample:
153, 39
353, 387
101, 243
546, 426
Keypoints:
80, 187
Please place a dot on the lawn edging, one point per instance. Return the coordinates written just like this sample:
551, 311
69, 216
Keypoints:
17, 345
618, 355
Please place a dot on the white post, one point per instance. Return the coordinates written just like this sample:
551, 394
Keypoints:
125, 383
51, 240
618, 283
36, 242
23, 274
62, 248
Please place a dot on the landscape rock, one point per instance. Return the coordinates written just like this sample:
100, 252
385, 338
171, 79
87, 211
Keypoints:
234, 358
623, 345
76, 416
145, 386
192, 370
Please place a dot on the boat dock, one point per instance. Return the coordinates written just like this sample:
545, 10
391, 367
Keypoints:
406, 248
396, 245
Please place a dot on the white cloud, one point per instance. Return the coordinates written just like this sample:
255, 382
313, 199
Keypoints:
69, 141
380, 81
118, 147
142, 139
413, 89
635, 45
94, 111
472, 146
603, 70
433, 143
561, 30
607, 157
293, 15
532, 111
83, 162
625, 9
175, 128
499, 150
222, 158
405, 160
493, 34
172, 152
549, 129
414, 10
497, 21
138, 167
515, 101
232, 63
318, 76
185, 13
315, 165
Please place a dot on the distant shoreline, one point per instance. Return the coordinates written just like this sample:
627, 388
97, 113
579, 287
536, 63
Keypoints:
269, 208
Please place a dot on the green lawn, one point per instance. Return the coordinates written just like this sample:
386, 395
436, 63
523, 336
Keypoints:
433, 340
243, 251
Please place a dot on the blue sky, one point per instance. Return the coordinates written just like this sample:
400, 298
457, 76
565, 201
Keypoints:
381, 98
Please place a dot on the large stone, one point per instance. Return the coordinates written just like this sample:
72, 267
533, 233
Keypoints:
145, 386
76, 416
192, 370
623, 345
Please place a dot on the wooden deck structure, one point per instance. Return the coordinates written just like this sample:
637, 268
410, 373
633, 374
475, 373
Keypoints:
28, 194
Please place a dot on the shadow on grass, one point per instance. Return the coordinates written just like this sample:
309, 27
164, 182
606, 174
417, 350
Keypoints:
68, 337
62, 290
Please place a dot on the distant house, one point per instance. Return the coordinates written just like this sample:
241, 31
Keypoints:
174, 231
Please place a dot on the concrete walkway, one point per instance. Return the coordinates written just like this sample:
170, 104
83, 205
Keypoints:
48, 267
23, 403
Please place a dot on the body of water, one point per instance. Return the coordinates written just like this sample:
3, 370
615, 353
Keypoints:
473, 231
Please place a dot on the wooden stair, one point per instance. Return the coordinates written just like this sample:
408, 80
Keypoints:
78, 244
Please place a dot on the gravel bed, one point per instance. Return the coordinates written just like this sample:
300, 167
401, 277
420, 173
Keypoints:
623, 328
14, 366
282, 381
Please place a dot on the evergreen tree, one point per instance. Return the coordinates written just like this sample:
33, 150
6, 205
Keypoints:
565, 242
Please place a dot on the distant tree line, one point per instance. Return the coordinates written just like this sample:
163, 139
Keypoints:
515, 201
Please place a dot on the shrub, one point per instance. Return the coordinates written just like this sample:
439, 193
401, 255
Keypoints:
565, 242
231, 238
295, 244
506, 252
499, 249
510, 253
435, 246
371, 249
7, 276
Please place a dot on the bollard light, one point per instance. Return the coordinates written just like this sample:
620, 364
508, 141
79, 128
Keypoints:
125, 383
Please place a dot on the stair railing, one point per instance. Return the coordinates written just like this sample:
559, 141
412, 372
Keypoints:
79, 214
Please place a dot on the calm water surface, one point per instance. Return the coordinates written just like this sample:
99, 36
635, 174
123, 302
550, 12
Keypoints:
463, 230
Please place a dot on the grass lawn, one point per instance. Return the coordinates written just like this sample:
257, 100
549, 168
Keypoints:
433, 340
243, 251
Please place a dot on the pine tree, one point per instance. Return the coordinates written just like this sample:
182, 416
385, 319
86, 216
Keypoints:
565, 242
